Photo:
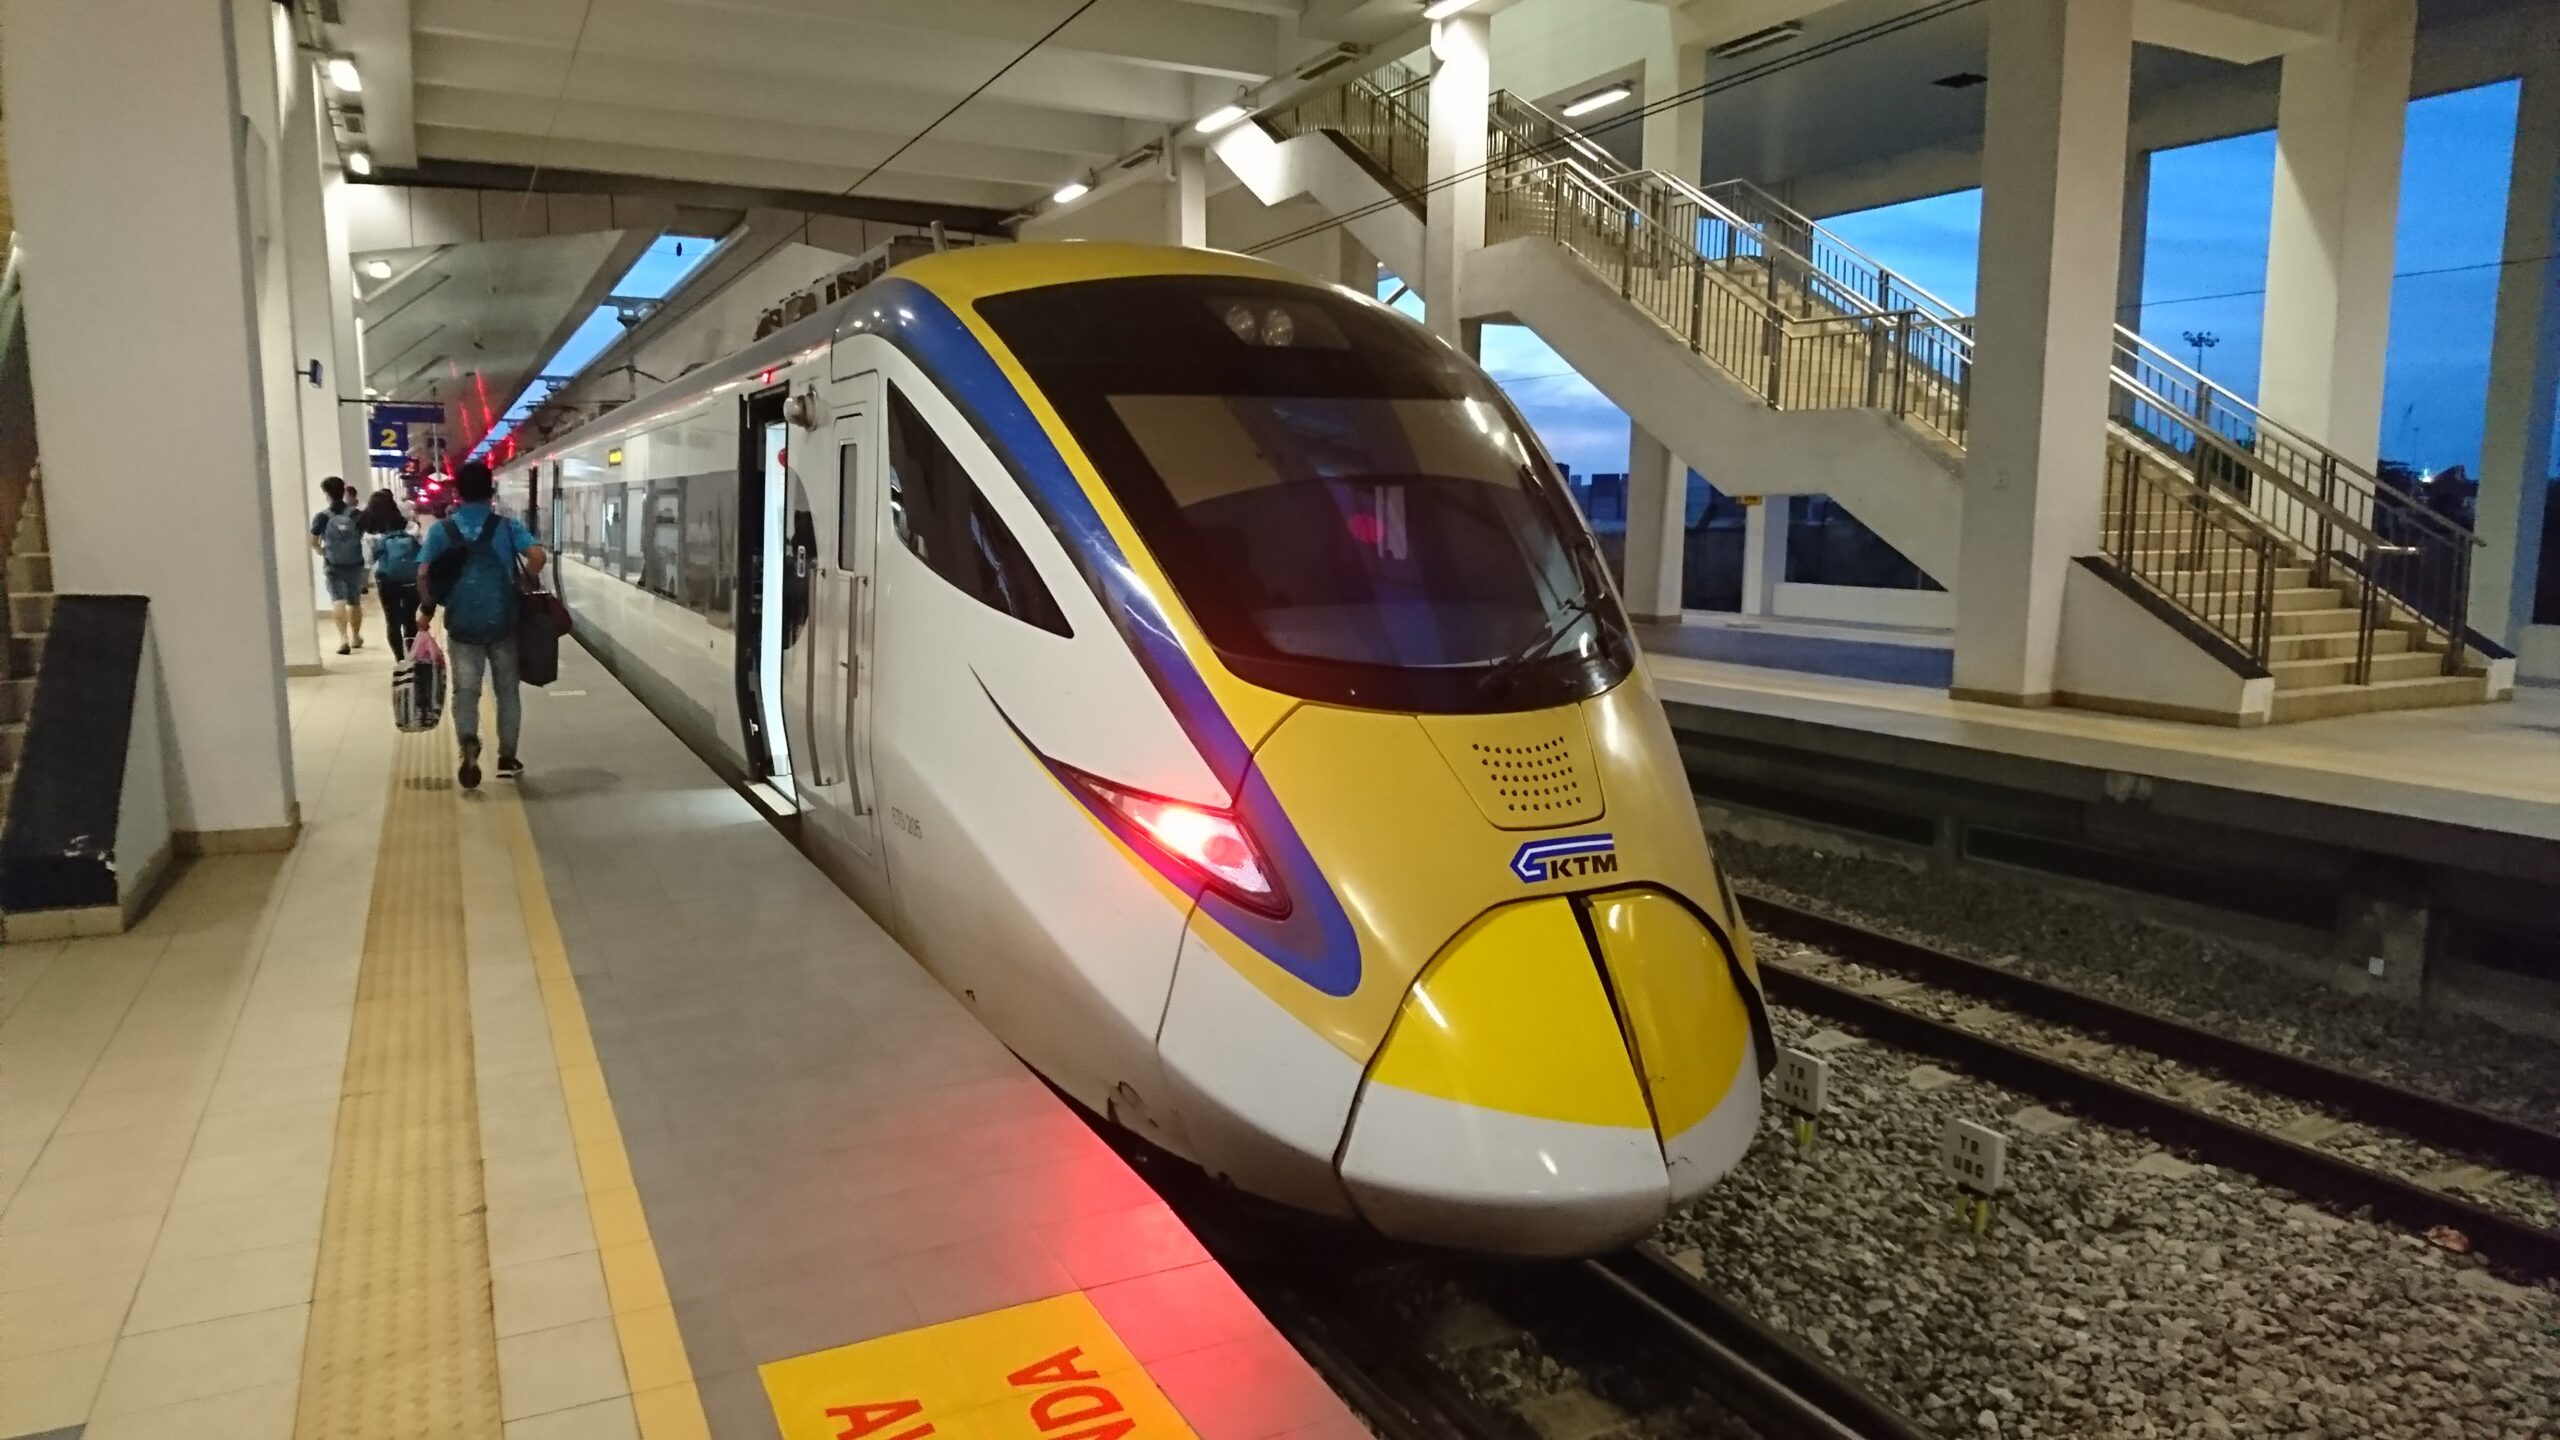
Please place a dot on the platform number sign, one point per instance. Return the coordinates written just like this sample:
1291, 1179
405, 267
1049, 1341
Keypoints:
392, 435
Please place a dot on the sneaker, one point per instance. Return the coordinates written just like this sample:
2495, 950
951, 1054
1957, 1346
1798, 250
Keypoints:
469, 774
509, 767
359, 642
342, 649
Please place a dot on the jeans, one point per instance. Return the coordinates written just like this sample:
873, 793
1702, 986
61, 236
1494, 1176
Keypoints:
399, 614
499, 659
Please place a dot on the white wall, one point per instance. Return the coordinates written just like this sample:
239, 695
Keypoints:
265, 49
2116, 654
142, 813
1865, 605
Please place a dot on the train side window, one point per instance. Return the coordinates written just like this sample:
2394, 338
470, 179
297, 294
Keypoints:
848, 503
941, 518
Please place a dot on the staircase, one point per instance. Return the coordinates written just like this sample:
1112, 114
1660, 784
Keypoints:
2273, 551
29, 616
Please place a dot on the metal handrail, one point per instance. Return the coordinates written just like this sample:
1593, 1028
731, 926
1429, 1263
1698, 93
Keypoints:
1880, 279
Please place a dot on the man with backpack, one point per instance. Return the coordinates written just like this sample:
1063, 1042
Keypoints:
468, 569
337, 536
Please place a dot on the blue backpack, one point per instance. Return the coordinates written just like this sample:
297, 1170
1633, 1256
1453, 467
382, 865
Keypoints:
479, 598
342, 537
395, 558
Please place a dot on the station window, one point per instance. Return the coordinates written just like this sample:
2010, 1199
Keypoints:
941, 518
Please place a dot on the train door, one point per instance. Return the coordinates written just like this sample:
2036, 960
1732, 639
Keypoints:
765, 510
834, 774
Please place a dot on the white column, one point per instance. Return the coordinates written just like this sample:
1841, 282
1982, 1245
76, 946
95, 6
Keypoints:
1674, 134
355, 444
1657, 532
1764, 552
306, 247
1186, 200
2053, 157
264, 44
2133, 235
2516, 454
133, 206
2340, 113
1453, 211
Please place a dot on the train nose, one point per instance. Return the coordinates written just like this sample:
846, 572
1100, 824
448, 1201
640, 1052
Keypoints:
1536, 1097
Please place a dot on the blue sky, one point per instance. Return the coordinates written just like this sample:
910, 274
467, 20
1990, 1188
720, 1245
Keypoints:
2204, 269
660, 268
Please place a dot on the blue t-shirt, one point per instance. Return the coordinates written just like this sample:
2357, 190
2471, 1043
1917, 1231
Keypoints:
482, 604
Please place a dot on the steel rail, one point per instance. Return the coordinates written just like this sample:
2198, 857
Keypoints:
2313, 1174
1767, 1379
2444, 1123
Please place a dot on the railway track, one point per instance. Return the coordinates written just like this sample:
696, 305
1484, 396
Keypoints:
2506, 1239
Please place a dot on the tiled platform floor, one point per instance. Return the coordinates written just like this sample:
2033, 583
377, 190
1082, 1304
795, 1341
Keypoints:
811, 1143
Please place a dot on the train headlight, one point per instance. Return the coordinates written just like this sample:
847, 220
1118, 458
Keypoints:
1212, 843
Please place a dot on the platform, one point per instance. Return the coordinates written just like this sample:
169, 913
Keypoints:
2492, 768
746, 1170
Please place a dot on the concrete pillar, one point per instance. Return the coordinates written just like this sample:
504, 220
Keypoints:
1186, 200
2053, 158
1764, 553
266, 56
1674, 135
2340, 112
135, 219
2132, 237
355, 443
2516, 454
1453, 211
323, 453
1657, 531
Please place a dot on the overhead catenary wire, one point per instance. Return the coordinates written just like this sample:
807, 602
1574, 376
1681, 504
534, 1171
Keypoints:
1699, 94
982, 86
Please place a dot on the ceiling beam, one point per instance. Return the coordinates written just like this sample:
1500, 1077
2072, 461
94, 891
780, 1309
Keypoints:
376, 36
591, 170
1229, 41
799, 99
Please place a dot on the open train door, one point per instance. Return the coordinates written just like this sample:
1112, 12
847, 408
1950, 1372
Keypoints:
828, 670
766, 509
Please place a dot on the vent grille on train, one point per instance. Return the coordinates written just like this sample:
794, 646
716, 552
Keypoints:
1533, 779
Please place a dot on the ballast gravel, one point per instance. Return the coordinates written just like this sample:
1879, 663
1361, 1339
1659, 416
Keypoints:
2070, 939
2118, 1291
2526, 1196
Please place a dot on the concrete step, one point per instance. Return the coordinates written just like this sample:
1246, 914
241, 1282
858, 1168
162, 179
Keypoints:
2320, 702
13, 738
31, 613
2154, 562
31, 538
30, 572
2331, 646
2288, 600
2338, 620
17, 698
23, 654
2313, 673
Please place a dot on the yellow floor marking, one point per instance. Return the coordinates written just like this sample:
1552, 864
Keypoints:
402, 1342
1049, 1369
663, 1394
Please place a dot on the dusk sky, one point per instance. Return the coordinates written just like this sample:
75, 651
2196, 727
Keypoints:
2205, 269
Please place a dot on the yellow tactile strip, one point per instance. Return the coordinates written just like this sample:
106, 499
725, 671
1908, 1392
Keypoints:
402, 1341
664, 1397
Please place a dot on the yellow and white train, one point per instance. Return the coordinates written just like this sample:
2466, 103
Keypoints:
1205, 674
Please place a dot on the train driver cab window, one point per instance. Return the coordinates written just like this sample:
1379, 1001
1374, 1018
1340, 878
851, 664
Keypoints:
943, 520
1350, 510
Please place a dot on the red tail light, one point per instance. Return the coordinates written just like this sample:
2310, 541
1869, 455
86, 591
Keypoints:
1211, 842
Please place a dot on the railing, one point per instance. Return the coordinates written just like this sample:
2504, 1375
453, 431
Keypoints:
1808, 321
2172, 536
1383, 115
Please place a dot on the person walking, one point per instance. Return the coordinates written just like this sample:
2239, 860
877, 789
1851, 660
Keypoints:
337, 537
467, 569
395, 569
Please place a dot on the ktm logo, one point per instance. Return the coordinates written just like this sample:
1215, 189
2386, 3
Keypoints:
1565, 858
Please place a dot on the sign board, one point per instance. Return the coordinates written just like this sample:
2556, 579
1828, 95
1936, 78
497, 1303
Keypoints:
404, 412
391, 435
1049, 1370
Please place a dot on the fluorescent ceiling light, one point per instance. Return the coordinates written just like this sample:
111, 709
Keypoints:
342, 73
1072, 190
1597, 100
377, 269
1220, 118
1443, 9
359, 163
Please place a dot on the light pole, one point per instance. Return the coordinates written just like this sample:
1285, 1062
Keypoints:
2202, 340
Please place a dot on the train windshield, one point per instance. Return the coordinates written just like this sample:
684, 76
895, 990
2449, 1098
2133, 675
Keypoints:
1350, 511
